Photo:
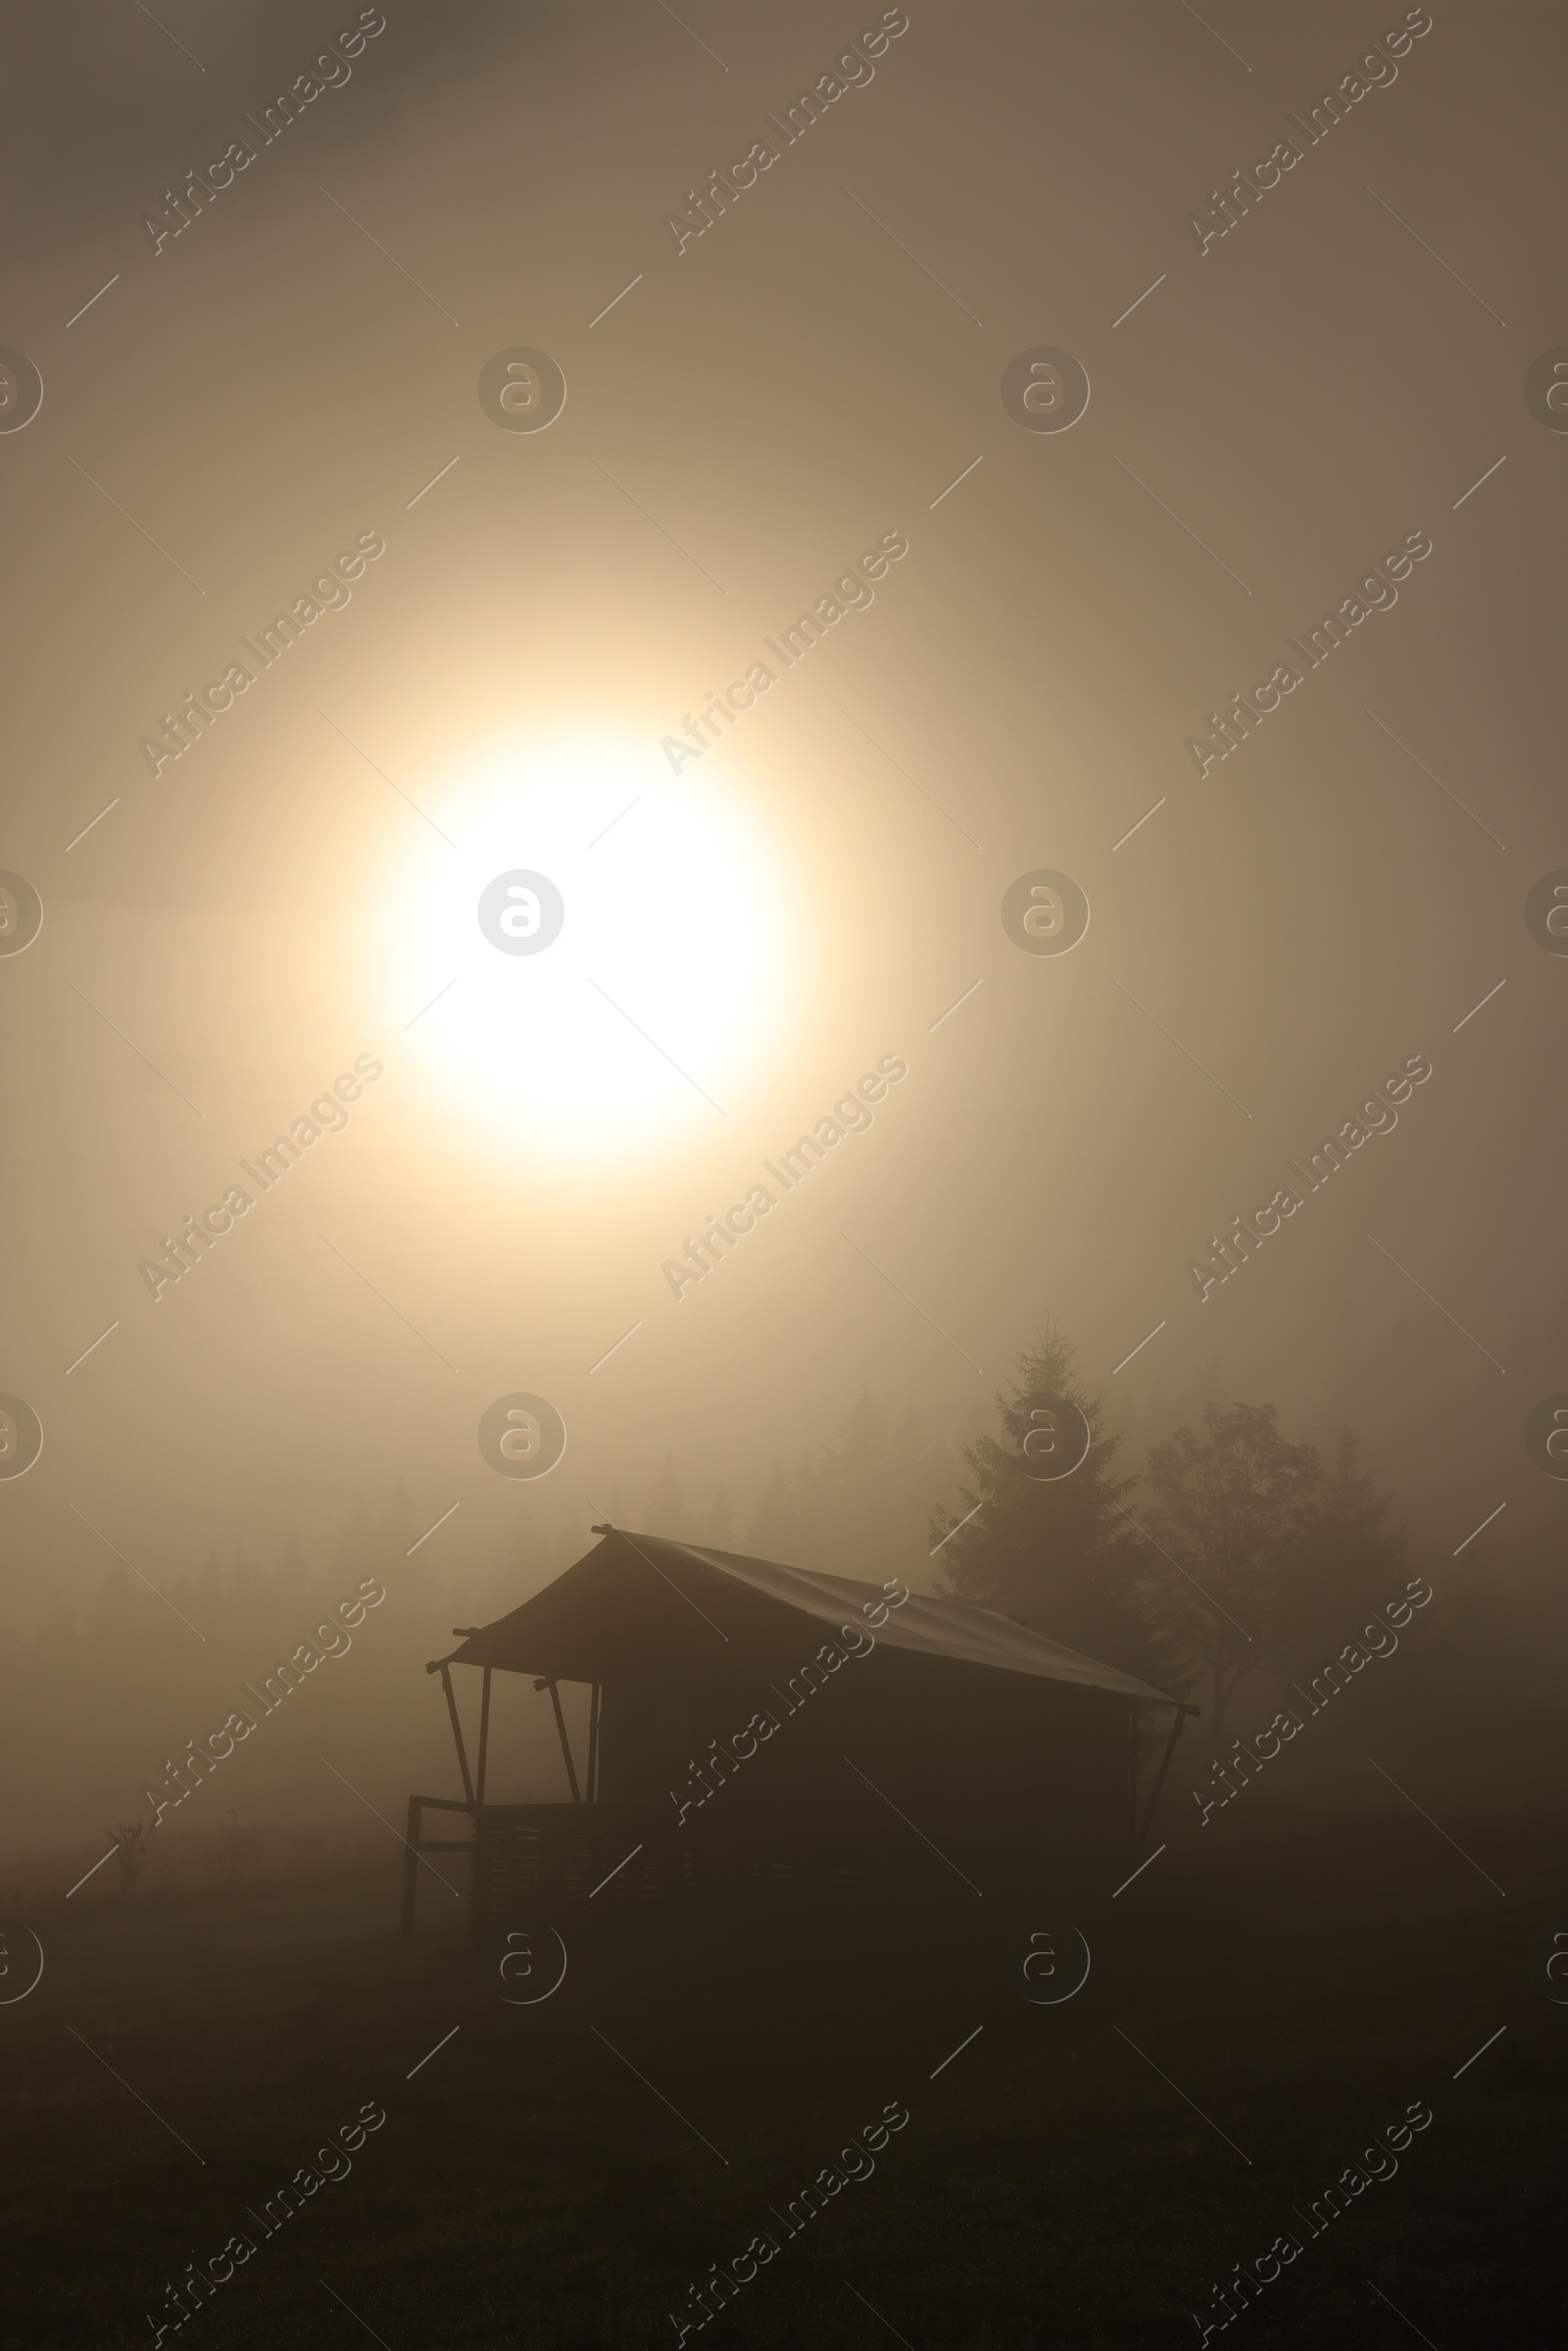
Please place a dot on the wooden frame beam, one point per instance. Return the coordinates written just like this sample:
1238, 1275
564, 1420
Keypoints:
1176, 1720
484, 1737
548, 1682
417, 1846
457, 1734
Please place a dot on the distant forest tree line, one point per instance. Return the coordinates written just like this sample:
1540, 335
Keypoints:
1238, 1558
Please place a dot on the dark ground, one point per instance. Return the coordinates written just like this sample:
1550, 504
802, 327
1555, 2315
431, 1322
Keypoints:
1302, 1985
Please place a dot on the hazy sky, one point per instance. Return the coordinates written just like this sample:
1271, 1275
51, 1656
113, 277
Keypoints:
816, 375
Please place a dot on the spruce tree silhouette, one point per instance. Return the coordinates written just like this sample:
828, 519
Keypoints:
1224, 1535
1349, 1562
1059, 1556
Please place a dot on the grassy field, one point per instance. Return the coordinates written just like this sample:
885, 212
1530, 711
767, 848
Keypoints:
560, 2174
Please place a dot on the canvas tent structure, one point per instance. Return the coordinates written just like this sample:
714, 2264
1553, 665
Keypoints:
754, 1724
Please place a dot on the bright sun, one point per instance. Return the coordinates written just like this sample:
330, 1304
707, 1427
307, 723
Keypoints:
601, 963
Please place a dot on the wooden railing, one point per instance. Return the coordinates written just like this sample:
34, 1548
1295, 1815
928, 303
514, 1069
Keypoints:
553, 1860
550, 1858
417, 1846
549, 1862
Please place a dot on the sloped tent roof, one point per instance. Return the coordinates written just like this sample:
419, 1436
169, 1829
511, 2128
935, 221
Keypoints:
553, 1633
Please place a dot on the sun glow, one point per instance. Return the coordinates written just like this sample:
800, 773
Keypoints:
601, 962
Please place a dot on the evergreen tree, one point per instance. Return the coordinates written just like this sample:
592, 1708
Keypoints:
1228, 1524
1349, 1561
1059, 1554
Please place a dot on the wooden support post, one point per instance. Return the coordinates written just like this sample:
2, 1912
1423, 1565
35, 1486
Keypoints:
485, 1738
411, 1872
1171, 1749
457, 1734
548, 1682
593, 1744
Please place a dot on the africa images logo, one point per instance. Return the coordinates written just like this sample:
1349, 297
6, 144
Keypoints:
851, 1114
180, 1253
521, 912
20, 913
21, 1436
521, 1436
